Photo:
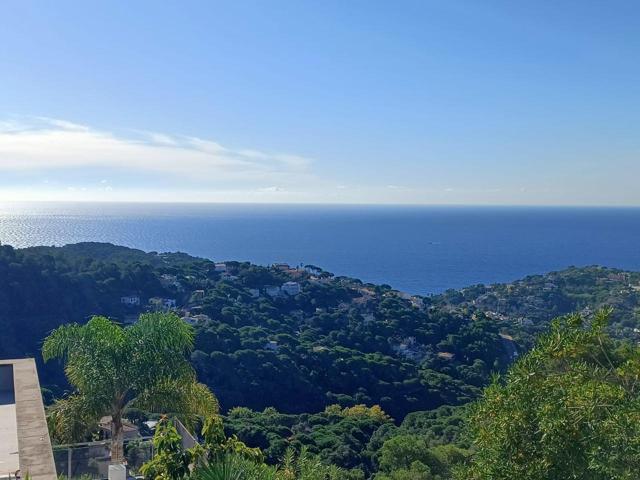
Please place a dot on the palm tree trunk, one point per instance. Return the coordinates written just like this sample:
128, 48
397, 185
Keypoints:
117, 439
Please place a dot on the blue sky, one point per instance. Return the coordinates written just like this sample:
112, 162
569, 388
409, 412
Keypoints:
429, 102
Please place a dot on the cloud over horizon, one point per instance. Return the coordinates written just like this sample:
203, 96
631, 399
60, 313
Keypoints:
48, 159
45, 145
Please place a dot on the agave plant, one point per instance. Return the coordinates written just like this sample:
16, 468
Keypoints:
234, 467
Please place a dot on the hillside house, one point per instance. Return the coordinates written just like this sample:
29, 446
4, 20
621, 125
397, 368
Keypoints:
313, 270
158, 303
197, 296
220, 267
167, 280
130, 300
272, 290
410, 349
291, 288
130, 431
417, 302
196, 319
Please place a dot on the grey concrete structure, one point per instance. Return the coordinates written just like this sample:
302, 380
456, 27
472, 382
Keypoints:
34, 454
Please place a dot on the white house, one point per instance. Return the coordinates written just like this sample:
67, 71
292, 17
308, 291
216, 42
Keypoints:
169, 303
220, 267
162, 303
130, 300
169, 280
255, 293
283, 267
197, 295
417, 302
410, 349
291, 288
196, 319
271, 345
272, 290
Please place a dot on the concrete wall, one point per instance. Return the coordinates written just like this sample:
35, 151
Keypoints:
34, 446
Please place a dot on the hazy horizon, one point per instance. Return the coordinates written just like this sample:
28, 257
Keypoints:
53, 203
417, 103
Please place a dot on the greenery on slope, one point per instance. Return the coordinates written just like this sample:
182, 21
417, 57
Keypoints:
569, 409
337, 342
531, 303
356, 374
347, 437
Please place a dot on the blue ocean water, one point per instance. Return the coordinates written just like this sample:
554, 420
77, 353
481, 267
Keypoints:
415, 249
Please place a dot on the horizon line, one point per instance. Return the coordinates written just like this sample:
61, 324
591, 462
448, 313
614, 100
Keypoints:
321, 204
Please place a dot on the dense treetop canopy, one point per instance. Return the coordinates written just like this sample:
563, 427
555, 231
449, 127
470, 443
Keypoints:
351, 371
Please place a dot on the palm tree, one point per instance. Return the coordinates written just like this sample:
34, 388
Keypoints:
113, 369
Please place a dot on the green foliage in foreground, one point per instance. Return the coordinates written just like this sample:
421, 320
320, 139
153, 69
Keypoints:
349, 438
409, 457
570, 409
221, 458
113, 369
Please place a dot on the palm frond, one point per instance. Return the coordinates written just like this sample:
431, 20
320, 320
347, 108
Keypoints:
163, 331
184, 398
61, 341
72, 419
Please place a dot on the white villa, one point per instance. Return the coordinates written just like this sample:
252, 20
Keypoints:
197, 295
283, 267
130, 300
162, 303
272, 290
291, 288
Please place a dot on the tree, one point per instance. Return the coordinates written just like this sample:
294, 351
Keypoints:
171, 461
568, 409
112, 369
409, 452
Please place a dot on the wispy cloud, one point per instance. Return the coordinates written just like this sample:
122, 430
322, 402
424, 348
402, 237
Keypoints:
45, 144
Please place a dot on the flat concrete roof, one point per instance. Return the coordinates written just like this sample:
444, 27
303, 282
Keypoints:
35, 456
8, 440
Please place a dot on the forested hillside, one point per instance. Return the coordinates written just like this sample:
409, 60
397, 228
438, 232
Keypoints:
527, 305
336, 341
355, 372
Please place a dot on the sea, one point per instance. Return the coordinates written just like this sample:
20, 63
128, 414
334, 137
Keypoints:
416, 249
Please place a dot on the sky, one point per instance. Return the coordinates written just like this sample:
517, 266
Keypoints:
334, 101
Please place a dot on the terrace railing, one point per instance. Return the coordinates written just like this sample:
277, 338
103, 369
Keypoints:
90, 460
